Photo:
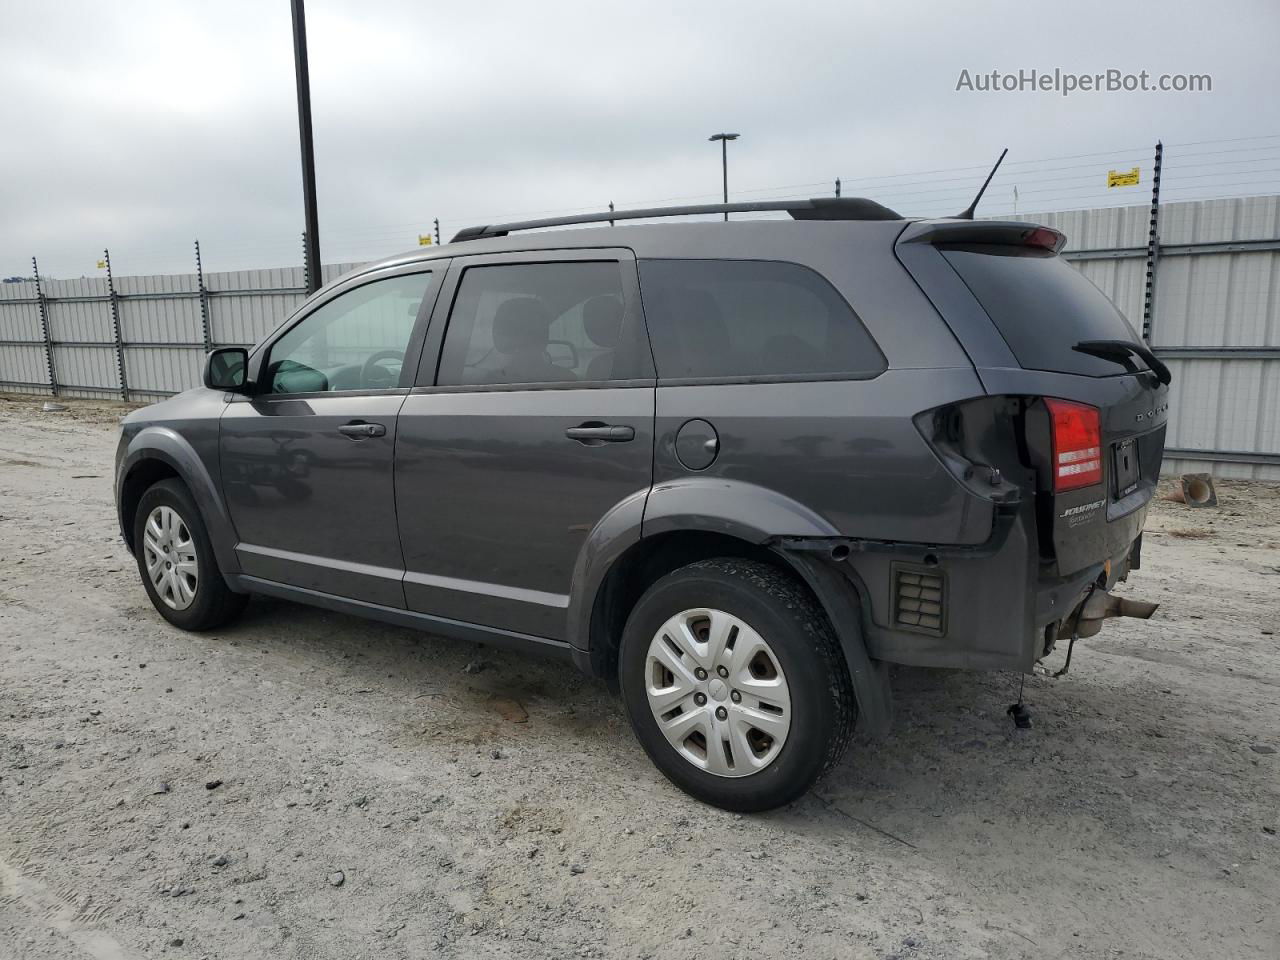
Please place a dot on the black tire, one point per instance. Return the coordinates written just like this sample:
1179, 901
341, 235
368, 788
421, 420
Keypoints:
779, 608
214, 604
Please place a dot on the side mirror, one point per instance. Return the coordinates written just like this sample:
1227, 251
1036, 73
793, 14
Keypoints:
227, 369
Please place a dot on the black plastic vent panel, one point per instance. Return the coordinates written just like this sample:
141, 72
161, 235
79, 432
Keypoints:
919, 599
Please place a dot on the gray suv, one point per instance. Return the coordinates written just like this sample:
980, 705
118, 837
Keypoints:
736, 469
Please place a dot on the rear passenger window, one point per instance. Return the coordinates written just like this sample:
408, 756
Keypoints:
751, 318
541, 323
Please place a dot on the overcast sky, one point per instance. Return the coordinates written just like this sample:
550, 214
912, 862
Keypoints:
144, 125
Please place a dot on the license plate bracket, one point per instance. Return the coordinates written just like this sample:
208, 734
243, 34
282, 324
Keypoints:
1124, 467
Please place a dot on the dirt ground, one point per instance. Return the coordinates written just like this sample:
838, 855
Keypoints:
308, 785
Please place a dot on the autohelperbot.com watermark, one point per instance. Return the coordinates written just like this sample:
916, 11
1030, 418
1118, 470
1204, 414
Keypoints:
1065, 82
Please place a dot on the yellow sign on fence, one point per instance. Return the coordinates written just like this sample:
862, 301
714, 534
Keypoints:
1122, 178
424, 241
102, 264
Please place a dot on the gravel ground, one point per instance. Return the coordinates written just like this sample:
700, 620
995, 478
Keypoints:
309, 785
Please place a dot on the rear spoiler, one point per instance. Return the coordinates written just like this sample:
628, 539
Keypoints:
1002, 232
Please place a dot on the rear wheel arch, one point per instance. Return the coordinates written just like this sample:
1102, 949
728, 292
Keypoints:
642, 565
838, 592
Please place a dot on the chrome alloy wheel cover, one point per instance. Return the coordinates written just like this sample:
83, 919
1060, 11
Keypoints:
169, 554
717, 692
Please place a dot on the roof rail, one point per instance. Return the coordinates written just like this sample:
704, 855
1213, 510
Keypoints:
818, 208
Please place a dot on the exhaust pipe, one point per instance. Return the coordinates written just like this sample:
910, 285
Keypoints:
1099, 606
1087, 618
1124, 607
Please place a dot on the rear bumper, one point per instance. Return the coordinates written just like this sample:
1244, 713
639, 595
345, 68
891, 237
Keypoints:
997, 600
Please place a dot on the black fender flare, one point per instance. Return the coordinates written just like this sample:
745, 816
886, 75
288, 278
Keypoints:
755, 515
168, 446
691, 504
720, 505
614, 533
841, 600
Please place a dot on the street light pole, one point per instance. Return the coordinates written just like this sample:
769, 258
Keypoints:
308, 151
724, 139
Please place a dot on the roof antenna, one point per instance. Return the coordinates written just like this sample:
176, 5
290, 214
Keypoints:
967, 214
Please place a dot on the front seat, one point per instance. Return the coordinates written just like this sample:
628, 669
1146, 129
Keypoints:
520, 331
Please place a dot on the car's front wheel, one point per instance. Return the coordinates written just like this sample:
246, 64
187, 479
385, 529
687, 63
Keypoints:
176, 560
735, 684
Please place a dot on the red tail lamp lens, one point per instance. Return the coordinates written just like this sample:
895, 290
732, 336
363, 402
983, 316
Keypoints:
1077, 444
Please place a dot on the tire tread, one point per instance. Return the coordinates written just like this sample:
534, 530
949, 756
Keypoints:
790, 592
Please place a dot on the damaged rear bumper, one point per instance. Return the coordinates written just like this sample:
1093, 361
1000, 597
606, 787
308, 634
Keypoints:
988, 607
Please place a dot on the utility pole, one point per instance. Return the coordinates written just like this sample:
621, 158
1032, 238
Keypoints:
724, 139
312, 236
837, 186
437, 222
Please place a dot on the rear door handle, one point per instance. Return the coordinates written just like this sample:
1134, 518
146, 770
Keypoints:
596, 433
358, 430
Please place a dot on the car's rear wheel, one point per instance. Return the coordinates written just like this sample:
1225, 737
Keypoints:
176, 561
735, 685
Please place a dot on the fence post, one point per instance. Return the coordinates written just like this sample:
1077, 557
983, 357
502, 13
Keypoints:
437, 231
204, 302
837, 186
306, 264
1153, 246
44, 329
115, 327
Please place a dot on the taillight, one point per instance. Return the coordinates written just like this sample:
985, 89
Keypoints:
1077, 444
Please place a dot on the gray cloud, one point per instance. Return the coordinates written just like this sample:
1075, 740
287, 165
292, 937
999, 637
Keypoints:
144, 125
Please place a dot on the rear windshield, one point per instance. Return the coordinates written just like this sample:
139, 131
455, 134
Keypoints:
1042, 306
714, 319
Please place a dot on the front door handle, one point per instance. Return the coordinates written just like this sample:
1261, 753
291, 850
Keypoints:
358, 430
597, 433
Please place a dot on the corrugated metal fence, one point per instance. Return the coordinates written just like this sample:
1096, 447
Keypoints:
136, 337
1216, 322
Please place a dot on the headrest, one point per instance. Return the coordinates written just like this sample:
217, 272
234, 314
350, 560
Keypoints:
521, 324
602, 319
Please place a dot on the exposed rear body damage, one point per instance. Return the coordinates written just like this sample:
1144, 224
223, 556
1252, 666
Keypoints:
1078, 433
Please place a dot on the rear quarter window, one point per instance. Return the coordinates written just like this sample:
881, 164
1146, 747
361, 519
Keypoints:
738, 319
1042, 306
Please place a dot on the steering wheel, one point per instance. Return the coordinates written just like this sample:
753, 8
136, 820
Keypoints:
380, 378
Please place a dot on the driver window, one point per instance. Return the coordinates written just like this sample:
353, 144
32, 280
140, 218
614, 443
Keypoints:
354, 342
